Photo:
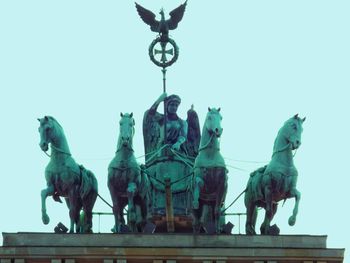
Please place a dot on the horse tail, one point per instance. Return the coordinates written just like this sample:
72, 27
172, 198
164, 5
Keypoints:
88, 182
248, 192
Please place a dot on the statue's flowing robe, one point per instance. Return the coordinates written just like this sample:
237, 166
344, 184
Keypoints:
164, 163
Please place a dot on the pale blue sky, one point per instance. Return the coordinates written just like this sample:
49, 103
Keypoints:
84, 62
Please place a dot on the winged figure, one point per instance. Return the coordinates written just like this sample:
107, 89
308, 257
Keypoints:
163, 26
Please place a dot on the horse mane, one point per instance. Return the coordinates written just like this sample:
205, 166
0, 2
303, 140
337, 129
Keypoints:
54, 120
280, 132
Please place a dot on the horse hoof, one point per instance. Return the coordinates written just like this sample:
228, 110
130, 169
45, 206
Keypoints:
291, 221
274, 230
250, 231
196, 230
45, 219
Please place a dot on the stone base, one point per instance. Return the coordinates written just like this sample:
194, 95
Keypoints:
165, 248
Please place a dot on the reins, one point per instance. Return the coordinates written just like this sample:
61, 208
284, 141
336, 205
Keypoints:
207, 144
282, 149
285, 148
57, 149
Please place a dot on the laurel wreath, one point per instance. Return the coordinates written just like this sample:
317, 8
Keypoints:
159, 63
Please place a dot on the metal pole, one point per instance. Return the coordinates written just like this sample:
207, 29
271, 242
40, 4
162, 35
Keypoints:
239, 224
99, 223
169, 206
168, 194
165, 109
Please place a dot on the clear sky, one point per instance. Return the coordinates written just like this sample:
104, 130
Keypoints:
84, 62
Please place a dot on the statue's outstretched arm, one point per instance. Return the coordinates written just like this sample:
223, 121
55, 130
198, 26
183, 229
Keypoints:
155, 105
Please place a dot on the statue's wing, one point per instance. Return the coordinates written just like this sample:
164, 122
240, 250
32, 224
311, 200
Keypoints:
193, 133
148, 17
151, 134
176, 16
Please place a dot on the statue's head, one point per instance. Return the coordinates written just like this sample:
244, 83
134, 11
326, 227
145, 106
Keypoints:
161, 12
172, 102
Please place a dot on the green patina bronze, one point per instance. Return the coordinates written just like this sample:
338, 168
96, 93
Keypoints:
162, 27
209, 183
64, 177
127, 183
275, 181
184, 175
170, 155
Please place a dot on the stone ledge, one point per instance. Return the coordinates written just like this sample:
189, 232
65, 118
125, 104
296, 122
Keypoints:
139, 254
162, 241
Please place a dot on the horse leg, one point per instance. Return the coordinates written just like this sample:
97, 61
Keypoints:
252, 213
118, 207
276, 230
196, 216
145, 210
251, 210
117, 210
268, 230
71, 221
198, 185
74, 210
50, 190
88, 204
264, 229
294, 193
197, 207
131, 192
254, 217
148, 206
220, 198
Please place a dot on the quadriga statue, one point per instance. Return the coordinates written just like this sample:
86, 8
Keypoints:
171, 144
276, 181
64, 177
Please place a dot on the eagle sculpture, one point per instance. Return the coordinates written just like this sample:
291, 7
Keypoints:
163, 26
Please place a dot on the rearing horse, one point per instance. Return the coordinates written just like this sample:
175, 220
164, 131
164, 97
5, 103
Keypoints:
127, 183
64, 177
276, 181
210, 173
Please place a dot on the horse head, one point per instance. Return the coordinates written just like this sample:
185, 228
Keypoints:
213, 122
47, 132
291, 132
127, 130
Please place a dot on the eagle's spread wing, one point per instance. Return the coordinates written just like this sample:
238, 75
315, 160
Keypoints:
176, 16
148, 17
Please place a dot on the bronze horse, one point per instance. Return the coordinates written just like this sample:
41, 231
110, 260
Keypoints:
127, 183
210, 174
64, 177
275, 181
